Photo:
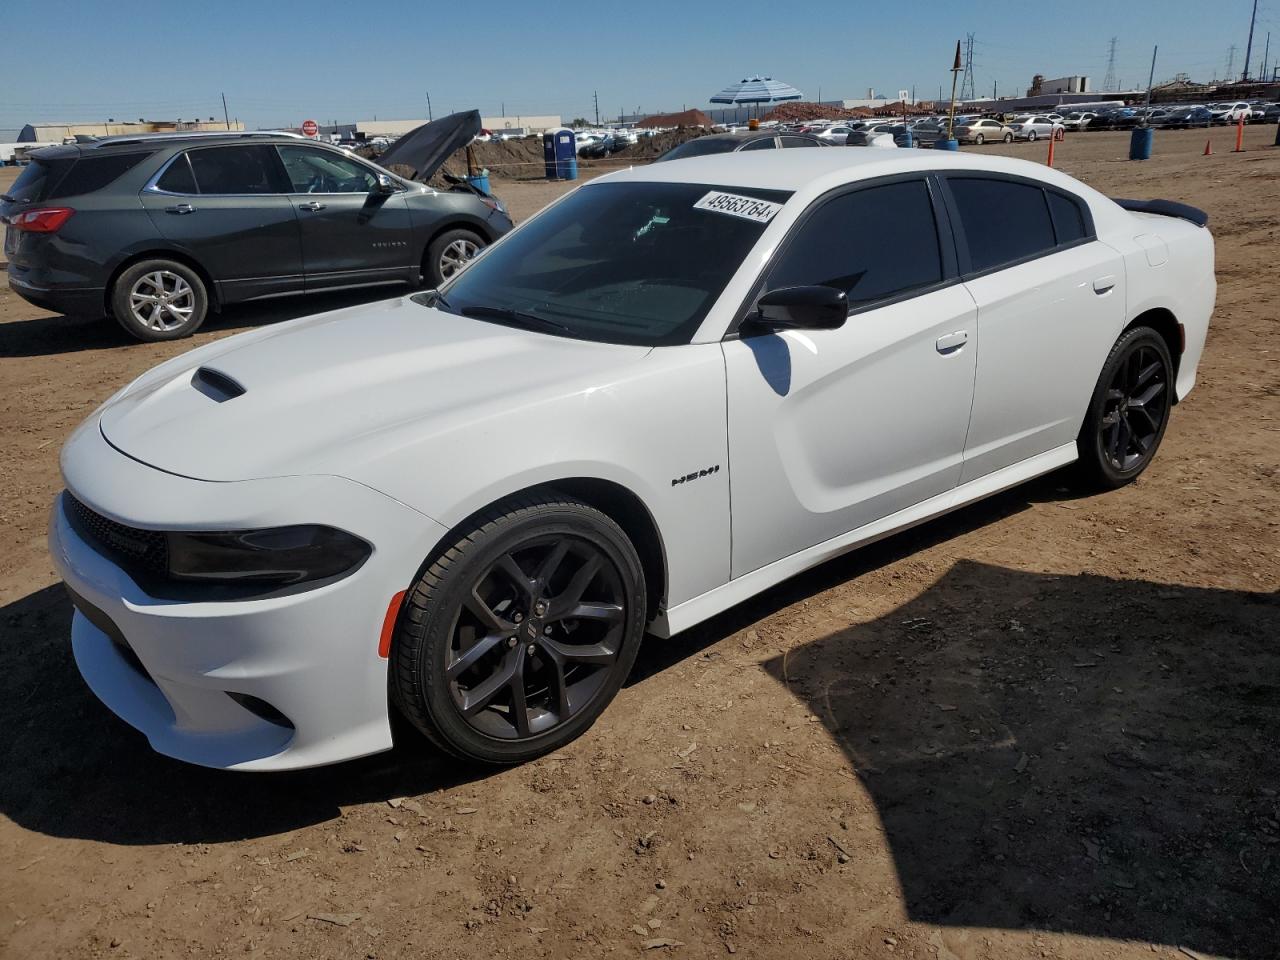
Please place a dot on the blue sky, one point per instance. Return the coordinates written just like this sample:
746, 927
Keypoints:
280, 62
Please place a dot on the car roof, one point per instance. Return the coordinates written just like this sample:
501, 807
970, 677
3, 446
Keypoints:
164, 140
795, 170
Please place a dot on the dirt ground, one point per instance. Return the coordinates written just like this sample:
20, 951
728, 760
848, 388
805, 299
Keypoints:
1045, 726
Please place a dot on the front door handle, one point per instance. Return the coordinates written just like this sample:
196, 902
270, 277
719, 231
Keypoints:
1103, 284
180, 208
311, 205
952, 342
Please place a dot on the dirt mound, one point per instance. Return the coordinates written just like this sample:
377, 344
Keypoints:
688, 118
801, 110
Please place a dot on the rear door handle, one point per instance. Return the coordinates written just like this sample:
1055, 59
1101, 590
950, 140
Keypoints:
1103, 284
180, 208
952, 342
311, 205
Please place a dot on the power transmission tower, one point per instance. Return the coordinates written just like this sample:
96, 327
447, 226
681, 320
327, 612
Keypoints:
596, 97
1248, 49
1109, 82
1231, 64
966, 84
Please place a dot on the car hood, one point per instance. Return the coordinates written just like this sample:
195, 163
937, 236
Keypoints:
326, 394
427, 147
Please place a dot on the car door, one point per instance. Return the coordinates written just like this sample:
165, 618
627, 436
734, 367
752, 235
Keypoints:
351, 233
1051, 300
226, 207
830, 430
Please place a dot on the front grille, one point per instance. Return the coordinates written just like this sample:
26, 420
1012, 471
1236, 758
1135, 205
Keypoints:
137, 550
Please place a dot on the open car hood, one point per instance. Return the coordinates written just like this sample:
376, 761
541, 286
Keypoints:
427, 147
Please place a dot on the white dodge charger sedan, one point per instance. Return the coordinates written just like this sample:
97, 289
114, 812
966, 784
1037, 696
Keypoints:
669, 390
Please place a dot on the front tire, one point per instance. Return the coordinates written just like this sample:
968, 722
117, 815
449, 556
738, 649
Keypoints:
521, 631
1129, 410
159, 300
448, 253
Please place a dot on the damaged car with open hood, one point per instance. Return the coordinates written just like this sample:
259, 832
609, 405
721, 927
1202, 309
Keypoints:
158, 230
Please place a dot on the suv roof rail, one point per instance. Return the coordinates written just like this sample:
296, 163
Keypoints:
197, 135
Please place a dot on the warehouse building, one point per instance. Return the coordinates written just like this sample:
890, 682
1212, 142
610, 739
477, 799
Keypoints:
396, 128
55, 132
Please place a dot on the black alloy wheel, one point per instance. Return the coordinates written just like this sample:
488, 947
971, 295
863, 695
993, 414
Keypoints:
537, 637
520, 633
1130, 409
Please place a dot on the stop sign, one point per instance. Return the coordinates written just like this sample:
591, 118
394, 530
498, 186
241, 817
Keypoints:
310, 128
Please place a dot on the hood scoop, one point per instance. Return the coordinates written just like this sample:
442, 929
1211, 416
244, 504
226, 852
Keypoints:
216, 385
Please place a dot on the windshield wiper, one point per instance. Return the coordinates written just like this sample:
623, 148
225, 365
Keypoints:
517, 317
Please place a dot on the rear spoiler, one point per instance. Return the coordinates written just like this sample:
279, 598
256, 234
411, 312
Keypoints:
1167, 208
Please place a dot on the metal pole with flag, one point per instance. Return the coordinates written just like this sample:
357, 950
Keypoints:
955, 74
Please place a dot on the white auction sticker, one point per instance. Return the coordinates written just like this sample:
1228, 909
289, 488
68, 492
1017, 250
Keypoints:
749, 208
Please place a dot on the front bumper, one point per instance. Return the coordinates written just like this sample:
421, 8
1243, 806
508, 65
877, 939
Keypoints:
169, 668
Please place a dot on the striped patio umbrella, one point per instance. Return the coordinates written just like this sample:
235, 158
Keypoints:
757, 90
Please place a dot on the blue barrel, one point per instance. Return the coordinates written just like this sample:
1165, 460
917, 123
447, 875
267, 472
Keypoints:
905, 140
480, 181
946, 145
1140, 143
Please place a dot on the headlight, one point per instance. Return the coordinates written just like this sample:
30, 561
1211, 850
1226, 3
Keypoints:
281, 555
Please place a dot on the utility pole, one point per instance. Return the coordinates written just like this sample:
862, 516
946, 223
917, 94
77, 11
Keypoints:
1266, 57
1248, 48
595, 96
995, 90
429, 116
226, 119
1109, 82
1151, 78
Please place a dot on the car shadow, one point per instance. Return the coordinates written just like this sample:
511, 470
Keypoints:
54, 334
1068, 753
74, 770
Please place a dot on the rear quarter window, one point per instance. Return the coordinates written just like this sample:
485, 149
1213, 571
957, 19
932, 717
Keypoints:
90, 174
1068, 218
39, 178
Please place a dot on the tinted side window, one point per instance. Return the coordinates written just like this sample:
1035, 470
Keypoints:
871, 243
1068, 218
178, 177
321, 171
94, 173
236, 170
765, 144
1003, 221
797, 142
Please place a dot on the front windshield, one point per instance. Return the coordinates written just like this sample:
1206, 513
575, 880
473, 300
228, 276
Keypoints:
631, 262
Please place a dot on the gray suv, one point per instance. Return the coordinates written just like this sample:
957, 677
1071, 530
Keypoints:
156, 230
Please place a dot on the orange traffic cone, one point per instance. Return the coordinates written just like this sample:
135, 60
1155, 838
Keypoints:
1208, 147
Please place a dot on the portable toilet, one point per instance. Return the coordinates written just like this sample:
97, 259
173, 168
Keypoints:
560, 154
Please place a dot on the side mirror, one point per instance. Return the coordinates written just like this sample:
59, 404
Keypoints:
802, 308
385, 184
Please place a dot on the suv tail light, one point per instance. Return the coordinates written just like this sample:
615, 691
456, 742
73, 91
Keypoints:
42, 220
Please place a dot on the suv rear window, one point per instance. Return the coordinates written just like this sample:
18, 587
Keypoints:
38, 179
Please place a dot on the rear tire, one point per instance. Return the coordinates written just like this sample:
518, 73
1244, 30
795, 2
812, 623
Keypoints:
448, 253
979, 140
1129, 410
521, 631
159, 300
1008, 138
1032, 136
